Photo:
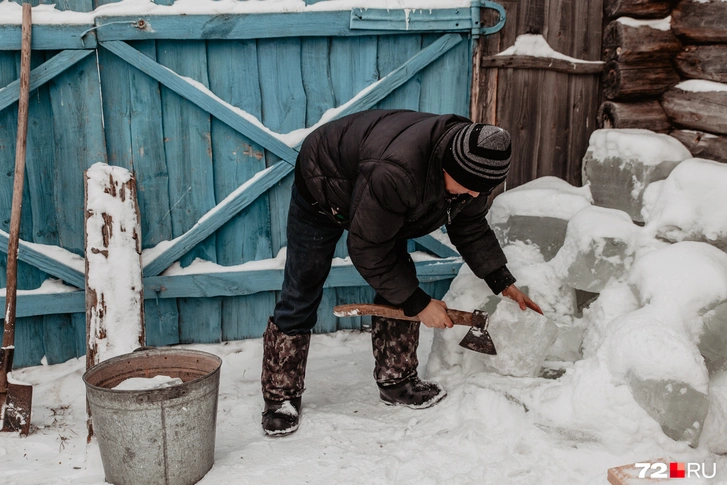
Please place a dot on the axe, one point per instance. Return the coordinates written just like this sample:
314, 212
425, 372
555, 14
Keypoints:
477, 338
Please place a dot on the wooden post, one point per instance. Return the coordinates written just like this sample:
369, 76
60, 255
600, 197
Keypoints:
647, 115
652, 9
703, 145
703, 62
621, 81
705, 111
114, 288
628, 44
704, 22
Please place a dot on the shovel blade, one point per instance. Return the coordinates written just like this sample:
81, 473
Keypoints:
478, 338
17, 407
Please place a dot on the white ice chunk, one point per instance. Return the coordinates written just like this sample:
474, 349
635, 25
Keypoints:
713, 340
692, 204
621, 163
713, 434
664, 370
686, 278
614, 301
522, 338
537, 213
599, 245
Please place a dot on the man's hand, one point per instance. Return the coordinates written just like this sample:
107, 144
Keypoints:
514, 293
435, 315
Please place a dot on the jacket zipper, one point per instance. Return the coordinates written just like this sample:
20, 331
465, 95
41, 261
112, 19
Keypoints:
449, 214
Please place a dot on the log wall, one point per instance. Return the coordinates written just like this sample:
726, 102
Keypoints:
645, 81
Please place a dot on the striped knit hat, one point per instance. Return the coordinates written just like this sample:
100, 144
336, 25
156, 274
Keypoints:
479, 157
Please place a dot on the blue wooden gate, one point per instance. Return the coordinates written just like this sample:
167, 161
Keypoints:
208, 111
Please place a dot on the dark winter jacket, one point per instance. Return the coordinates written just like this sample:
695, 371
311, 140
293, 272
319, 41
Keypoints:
379, 174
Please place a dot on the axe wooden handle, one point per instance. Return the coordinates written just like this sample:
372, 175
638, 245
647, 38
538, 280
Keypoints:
458, 317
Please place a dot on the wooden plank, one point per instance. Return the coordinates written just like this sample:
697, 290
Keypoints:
246, 237
331, 23
75, 102
33, 255
49, 37
42, 74
51, 304
529, 62
283, 110
584, 91
245, 195
450, 70
188, 153
483, 108
321, 80
202, 98
394, 51
249, 282
654, 9
354, 65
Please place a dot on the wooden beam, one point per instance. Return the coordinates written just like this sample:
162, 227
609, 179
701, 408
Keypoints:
547, 63
42, 74
243, 197
33, 255
249, 282
49, 37
203, 98
333, 23
437, 247
219, 284
653, 9
217, 217
623, 81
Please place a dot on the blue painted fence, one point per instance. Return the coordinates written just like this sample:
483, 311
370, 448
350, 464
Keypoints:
168, 107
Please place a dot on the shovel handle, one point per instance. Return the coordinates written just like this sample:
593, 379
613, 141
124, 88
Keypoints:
20, 149
458, 317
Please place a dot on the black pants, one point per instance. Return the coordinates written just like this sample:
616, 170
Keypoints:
312, 238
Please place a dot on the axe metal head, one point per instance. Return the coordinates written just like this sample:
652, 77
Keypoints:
478, 338
16, 399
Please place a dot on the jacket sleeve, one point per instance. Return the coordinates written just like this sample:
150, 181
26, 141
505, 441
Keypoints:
476, 242
379, 214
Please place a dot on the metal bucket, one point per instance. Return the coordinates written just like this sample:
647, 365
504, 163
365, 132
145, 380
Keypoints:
160, 436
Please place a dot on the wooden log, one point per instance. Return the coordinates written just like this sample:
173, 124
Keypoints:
698, 110
114, 288
703, 145
545, 63
648, 115
703, 62
651, 9
623, 81
702, 21
630, 43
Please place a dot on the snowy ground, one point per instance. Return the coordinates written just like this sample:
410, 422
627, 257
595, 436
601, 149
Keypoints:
488, 430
